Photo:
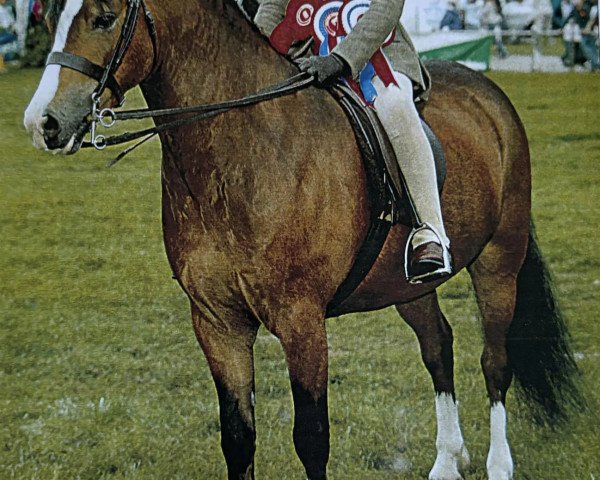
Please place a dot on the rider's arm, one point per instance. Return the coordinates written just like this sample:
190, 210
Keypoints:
369, 33
270, 14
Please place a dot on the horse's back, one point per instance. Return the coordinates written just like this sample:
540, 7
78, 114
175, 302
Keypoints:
487, 181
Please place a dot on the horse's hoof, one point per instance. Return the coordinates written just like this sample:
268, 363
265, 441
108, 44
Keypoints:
446, 476
445, 468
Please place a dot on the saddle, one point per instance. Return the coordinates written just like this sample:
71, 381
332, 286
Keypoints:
388, 195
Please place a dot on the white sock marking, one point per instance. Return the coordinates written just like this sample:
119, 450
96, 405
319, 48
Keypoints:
33, 119
499, 461
451, 452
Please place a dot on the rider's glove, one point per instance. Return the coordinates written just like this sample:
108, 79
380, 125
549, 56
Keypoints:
326, 70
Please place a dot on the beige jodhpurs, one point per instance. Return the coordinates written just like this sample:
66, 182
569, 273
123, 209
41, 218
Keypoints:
397, 112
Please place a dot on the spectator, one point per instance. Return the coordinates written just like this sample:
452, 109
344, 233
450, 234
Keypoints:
579, 19
561, 13
7, 22
491, 19
37, 38
472, 13
542, 19
589, 40
8, 38
452, 18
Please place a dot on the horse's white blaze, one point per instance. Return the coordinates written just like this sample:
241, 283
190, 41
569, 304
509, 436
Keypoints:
34, 115
499, 461
451, 452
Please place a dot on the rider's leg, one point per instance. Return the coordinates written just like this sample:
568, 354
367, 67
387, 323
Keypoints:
398, 114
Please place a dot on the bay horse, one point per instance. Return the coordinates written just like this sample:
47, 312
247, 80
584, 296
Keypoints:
265, 208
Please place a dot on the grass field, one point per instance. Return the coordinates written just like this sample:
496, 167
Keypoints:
101, 376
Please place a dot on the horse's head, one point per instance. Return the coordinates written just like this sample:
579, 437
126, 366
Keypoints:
100, 49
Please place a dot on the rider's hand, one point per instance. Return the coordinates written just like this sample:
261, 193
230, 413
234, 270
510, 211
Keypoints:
326, 70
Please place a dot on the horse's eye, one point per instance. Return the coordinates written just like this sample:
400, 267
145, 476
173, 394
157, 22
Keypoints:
104, 21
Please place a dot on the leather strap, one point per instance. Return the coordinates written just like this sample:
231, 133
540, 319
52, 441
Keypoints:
197, 113
123, 43
83, 65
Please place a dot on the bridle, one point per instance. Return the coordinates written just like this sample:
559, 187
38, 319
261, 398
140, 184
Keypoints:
105, 75
107, 117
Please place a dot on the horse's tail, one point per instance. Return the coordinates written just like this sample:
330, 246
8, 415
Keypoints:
538, 344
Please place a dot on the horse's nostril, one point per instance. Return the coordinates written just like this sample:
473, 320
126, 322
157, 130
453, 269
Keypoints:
51, 127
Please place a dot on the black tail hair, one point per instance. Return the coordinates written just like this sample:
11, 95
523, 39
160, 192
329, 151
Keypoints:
538, 344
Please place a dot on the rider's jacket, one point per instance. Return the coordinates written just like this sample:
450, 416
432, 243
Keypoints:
366, 37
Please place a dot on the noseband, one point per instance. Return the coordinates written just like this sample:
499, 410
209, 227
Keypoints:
105, 75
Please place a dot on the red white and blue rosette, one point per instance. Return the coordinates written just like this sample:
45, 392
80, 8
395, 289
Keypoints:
328, 23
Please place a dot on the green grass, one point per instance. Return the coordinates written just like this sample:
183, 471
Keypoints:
100, 374
547, 45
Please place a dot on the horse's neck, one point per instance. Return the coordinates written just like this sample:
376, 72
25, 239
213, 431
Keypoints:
209, 53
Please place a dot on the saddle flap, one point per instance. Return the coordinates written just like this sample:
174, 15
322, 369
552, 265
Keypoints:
386, 182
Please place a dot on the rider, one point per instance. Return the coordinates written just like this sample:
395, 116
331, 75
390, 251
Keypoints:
428, 256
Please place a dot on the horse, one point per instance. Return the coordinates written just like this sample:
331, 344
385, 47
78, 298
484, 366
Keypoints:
264, 209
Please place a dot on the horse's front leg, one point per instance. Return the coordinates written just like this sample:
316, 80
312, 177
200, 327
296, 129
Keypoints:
301, 330
227, 343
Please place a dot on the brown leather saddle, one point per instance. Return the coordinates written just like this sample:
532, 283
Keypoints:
389, 198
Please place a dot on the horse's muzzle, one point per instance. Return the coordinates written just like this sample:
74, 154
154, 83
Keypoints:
52, 133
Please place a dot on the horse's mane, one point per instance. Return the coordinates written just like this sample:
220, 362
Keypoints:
248, 7
53, 9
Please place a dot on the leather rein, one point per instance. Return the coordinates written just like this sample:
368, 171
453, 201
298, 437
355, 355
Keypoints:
107, 117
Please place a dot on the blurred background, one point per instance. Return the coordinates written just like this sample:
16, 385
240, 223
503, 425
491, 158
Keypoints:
509, 35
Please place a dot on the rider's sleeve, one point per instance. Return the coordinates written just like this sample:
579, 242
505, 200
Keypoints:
270, 14
369, 33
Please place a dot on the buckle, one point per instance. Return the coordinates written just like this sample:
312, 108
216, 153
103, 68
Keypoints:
106, 117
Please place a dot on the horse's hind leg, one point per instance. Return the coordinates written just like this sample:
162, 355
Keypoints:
301, 331
435, 338
494, 276
227, 344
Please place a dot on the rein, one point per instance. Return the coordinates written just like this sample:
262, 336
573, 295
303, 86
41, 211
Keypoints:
108, 117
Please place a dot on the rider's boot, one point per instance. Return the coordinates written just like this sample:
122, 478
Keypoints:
427, 255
